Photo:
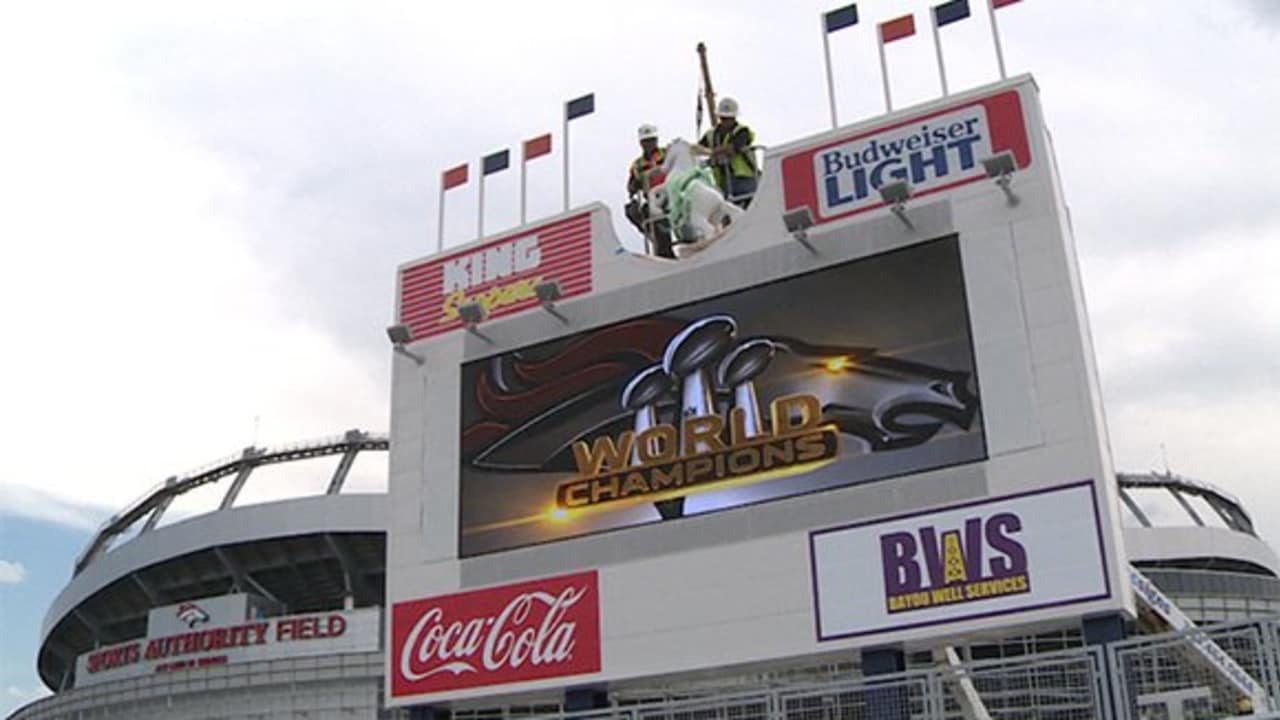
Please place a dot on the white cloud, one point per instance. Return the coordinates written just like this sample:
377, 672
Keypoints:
11, 573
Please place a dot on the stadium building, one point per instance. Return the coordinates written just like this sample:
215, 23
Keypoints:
844, 458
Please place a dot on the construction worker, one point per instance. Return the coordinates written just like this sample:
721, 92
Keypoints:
732, 159
646, 174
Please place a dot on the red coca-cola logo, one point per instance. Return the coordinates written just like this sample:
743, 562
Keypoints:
529, 631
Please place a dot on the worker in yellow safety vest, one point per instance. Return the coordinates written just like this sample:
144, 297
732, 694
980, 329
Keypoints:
645, 174
732, 159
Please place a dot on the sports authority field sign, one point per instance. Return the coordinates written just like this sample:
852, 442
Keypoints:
961, 564
931, 152
500, 275
533, 630
205, 642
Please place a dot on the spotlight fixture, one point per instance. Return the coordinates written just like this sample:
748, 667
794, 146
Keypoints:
798, 222
895, 195
400, 335
1001, 168
548, 293
472, 314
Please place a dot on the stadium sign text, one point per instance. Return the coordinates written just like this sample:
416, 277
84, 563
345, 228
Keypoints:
253, 640
539, 629
500, 275
931, 152
971, 564
716, 455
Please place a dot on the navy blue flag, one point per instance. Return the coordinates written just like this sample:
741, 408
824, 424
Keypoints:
950, 12
495, 162
578, 107
841, 18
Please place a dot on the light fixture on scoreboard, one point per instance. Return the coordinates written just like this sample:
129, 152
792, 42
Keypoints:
548, 293
1001, 168
895, 195
798, 222
472, 314
399, 335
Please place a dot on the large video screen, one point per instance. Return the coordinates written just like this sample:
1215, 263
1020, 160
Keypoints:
850, 374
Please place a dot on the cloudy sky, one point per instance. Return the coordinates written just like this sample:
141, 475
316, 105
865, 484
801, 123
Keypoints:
202, 206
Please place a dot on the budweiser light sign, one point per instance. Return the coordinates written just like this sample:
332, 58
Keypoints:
545, 628
931, 152
987, 559
850, 374
500, 275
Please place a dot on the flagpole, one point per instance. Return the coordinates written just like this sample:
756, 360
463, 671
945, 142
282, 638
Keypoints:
937, 45
480, 205
995, 33
523, 163
826, 55
440, 220
566, 159
884, 69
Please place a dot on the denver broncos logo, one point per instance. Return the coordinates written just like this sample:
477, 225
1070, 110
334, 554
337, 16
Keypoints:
192, 614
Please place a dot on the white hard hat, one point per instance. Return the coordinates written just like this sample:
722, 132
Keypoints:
647, 131
727, 107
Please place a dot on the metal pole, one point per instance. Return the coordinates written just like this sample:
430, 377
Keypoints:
440, 220
831, 84
522, 186
937, 45
884, 70
995, 33
566, 159
480, 205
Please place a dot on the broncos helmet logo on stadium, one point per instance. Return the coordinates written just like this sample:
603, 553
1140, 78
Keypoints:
192, 614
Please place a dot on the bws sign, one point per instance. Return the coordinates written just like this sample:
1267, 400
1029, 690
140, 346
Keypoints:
978, 560
500, 275
931, 567
931, 152
528, 631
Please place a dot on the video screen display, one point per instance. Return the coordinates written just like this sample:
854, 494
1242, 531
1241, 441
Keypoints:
850, 374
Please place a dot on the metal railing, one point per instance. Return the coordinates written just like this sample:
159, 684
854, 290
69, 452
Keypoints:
1142, 678
1146, 677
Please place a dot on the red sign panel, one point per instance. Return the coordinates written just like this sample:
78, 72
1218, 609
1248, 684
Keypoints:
514, 633
500, 275
931, 152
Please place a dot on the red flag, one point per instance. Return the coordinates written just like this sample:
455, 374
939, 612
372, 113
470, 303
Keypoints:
537, 147
898, 28
454, 177
1002, 3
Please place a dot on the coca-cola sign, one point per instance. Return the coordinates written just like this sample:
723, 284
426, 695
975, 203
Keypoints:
513, 633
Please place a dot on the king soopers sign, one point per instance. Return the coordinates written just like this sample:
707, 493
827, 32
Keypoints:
931, 152
533, 630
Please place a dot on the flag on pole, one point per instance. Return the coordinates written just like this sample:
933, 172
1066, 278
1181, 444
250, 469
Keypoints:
532, 148
453, 177
840, 19
949, 12
495, 162
537, 147
489, 164
898, 28
945, 14
995, 31
578, 107
574, 109
832, 21
887, 32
